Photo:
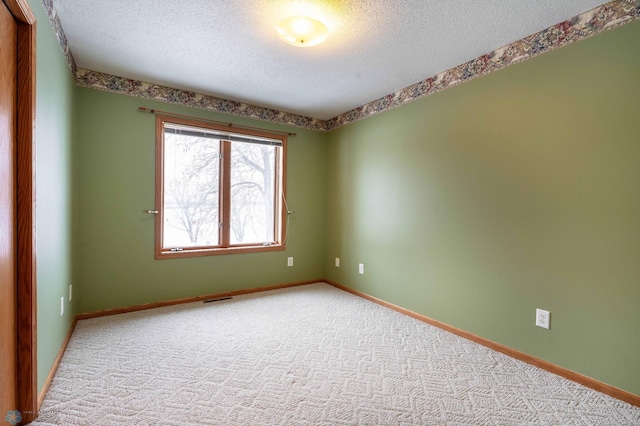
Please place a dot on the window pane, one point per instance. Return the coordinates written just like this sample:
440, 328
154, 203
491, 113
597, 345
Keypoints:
252, 193
191, 185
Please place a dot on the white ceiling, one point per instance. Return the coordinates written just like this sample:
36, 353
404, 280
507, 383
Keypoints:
230, 49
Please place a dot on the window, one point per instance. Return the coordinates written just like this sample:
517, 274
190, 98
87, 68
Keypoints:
217, 191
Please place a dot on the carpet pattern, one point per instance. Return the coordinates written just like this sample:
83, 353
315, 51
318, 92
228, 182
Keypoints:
309, 355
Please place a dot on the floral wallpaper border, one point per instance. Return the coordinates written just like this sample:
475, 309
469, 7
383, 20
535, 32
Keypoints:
56, 25
595, 21
140, 89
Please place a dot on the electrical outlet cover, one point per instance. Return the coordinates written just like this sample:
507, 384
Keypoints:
543, 318
337, 262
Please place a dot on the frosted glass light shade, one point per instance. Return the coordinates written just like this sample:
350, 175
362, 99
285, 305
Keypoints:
302, 31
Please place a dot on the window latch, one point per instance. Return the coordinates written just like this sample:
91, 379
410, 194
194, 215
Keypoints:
150, 211
176, 249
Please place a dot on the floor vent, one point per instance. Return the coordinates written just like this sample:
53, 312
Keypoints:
217, 300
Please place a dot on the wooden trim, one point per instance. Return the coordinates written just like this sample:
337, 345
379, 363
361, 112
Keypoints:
552, 368
224, 232
282, 193
26, 235
187, 252
207, 124
146, 306
224, 209
21, 11
159, 202
545, 365
56, 362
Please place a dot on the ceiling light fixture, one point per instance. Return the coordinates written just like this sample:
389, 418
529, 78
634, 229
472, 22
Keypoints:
302, 31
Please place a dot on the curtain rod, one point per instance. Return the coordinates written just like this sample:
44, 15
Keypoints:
225, 123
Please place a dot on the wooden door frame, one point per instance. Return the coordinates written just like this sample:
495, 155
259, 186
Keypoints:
27, 391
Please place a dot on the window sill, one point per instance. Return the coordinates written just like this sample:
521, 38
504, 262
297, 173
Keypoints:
199, 252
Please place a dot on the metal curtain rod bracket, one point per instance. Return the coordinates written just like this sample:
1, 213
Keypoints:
225, 123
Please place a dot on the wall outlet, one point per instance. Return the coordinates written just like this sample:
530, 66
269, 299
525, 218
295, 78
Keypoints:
337, 262
361, 268
70, 292
62, 306
543, 318
289, 261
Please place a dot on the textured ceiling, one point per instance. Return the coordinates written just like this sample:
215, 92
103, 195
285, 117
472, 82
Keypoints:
229, 49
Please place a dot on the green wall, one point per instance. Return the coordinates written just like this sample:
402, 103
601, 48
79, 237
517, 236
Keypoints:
515, 191
116, 181
54, 192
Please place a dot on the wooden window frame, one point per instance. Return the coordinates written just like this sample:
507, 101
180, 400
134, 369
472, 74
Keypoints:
225, 247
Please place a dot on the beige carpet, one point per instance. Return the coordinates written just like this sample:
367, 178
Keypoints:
310, 355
